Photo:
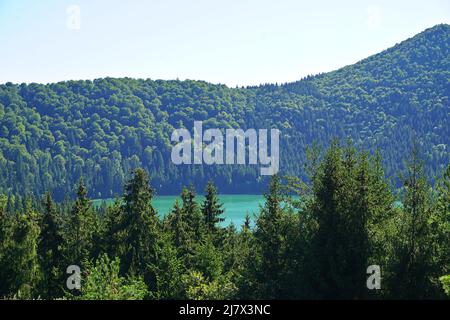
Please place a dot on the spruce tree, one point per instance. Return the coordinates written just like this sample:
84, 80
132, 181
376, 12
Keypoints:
247, 222
20, 263
413, 246
179, 228
140, 226
193, 214
441, 223
81, 229
112, 230
50, 247
271, 235
5, 242
212, 209
168, 269
349, 202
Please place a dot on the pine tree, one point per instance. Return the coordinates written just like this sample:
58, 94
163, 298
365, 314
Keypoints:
271, 235
325, 269
343, 219
5, 242
212, 209
140, 226
243, 268
20, 263
81, 229
193, 214
413, 246
441, 223
247, 222
50, 250
381, 222
179, 228
103, 282
168, 269
112, 230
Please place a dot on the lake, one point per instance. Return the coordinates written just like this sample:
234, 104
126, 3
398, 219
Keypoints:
236, 206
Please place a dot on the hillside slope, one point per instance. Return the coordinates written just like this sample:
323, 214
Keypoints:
52, 134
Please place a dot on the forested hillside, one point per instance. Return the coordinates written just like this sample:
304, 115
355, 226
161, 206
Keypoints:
51, 135
318, 245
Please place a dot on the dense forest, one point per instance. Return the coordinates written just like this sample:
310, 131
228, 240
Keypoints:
53, 134
318, 245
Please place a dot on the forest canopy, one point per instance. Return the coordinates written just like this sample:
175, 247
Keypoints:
316, 246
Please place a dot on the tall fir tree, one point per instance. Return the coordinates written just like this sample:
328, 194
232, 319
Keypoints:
212, 209
50, 246
81, 229
441, 224
140, 226
272, 237
111, 230
413, 247
20, 268
344, 218
179, 228
193, 214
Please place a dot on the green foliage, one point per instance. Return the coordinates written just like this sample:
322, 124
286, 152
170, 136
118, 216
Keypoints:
19, 264
112, 232
316, 246
140, 226
193, 214
414, 267
211, 207
103, 282
168, 269
177, 225
80, 229
446, 284
50, 246
51, 135
273, 238
440, 223
197, 287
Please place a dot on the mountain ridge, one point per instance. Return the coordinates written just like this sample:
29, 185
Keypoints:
439, 27
107, 126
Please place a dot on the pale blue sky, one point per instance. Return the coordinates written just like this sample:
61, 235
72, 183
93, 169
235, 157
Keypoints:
236, 42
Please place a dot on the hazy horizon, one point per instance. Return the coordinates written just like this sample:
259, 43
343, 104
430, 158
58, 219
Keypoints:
238, 43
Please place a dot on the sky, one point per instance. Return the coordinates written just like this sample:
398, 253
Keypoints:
233, 42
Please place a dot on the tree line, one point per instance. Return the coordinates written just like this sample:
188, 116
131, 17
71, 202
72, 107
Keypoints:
316, 246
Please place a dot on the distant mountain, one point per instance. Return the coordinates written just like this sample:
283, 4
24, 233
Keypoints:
52, 134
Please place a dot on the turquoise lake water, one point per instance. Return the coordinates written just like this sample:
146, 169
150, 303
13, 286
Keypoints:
236, 206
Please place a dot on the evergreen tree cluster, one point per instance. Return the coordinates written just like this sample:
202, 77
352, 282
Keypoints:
318, 245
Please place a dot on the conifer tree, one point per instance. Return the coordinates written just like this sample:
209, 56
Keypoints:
5, 242
168, 269
271, 235
112, 230
193, 214
178, 227
247, 222
140, 226
50, 247
413, 246
20, 263
81, 229
349, 202
212, 209
440, 223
